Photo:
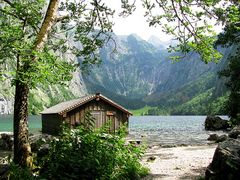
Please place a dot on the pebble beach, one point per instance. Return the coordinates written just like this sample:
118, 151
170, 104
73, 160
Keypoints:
188, 162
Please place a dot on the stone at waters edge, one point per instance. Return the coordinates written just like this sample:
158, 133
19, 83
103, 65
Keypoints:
216, 123
212, 137
216, 138
226, 161
235, 132
221, 138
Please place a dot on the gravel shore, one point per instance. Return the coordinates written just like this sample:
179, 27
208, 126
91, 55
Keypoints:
178, 162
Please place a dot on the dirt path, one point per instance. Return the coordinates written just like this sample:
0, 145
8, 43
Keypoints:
178, 162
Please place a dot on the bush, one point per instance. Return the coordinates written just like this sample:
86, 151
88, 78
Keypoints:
15, 172
91, 154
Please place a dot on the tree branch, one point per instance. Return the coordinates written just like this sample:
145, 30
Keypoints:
47, 24
9, 3
61, 18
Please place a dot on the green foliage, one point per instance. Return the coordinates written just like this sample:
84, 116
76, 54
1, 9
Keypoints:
85, 153
158, 111
47, 96
16, 172
192, 23
91, 154
141, 111
199, 104
19, 30
202, 104
232, 73
89, 121
189, 23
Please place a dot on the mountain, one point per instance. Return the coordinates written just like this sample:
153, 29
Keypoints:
156, 42
137, 73
132, 71
138, 69
141, 72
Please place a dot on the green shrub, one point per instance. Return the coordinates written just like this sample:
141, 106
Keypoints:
17, 173
91, 154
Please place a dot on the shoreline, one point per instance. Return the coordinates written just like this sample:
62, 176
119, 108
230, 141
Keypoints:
186, 162
175, 162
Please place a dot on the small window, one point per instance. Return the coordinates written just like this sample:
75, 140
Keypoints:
110, 113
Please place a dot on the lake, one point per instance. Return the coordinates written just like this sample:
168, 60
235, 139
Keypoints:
165, 130
170, 130
6, 123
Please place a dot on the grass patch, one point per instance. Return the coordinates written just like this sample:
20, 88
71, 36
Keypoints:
141, 112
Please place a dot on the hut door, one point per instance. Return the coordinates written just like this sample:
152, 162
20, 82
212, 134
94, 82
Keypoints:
97, 115
111, 118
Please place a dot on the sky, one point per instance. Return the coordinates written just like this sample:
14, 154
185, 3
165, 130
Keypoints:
135, 23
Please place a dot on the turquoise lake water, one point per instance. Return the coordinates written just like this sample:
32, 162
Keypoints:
170, 130
6, 123
187, 130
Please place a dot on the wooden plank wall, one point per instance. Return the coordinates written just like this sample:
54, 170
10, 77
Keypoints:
77, 115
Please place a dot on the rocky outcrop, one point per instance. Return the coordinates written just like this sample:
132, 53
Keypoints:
215, 123
226, 161
216, 138
235, 132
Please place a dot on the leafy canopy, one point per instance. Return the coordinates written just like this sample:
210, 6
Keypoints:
192, 23
80, 29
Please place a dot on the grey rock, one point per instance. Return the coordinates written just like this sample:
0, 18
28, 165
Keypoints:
215, 123
6, 142
221, 138
226, 161
235, 132
38, 141
212, 137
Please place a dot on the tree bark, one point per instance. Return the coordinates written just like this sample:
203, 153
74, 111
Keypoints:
22, 148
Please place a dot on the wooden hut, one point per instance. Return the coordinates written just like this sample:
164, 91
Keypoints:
72, 112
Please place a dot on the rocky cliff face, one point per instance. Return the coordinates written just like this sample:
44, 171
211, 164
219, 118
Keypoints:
132, 70
138, 68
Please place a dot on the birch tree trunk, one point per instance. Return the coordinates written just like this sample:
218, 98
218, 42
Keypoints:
22, 148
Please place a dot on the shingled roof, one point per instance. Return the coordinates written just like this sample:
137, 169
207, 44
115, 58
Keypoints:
67, 106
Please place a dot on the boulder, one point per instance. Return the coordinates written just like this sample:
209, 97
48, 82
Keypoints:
215, 123
221, 138
226, 161
212, 137
6, 142
234, 133
39, 140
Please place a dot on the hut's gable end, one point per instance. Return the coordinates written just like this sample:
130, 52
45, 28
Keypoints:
102, 111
